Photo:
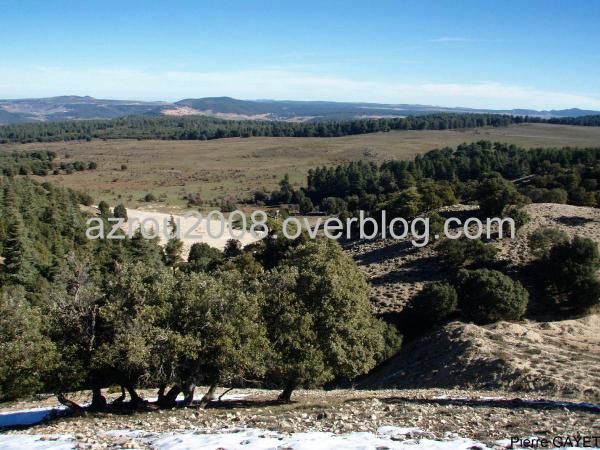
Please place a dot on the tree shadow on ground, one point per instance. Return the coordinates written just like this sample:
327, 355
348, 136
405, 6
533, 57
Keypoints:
573, 221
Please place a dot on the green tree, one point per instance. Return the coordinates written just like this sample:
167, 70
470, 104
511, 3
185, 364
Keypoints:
18, 266
487, 296
103, 208
233, 248
27, 356
433, 304
203, 257
407, 204
519, 216
172, 252
495, 193
120, 211
464, 252
319, 319
570, 270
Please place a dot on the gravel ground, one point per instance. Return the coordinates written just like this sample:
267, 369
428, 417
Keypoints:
440, 414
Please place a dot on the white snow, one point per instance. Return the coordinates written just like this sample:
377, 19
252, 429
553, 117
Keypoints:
255, 439
35, 442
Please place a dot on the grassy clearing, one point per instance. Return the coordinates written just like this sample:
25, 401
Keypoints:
237, 167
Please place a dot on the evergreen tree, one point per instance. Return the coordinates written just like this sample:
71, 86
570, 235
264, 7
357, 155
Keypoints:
312, 343
120, 211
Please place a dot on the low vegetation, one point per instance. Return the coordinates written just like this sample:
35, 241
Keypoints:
39, 163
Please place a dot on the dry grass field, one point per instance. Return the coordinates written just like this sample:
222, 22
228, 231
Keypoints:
237, 167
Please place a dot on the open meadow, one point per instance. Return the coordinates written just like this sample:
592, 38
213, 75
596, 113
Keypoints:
236, 167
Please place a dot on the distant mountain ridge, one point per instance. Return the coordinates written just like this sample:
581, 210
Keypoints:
84, 108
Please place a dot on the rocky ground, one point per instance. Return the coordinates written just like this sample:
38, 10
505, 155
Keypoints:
484, 416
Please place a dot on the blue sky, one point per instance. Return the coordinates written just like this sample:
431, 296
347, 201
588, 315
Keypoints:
493, 54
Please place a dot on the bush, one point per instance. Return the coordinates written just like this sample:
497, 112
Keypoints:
86, 199
541, 240
149, 197
120, 211
463, 252
570, 270
495, 193
104, 208
487, 296
203, 257
434, 304
519, 216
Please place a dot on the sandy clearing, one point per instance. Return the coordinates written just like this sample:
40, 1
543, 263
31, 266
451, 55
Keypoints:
192, 228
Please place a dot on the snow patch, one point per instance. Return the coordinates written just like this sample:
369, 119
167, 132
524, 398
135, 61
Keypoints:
36, 442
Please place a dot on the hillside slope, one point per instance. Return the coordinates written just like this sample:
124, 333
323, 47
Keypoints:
73, 107
550, 357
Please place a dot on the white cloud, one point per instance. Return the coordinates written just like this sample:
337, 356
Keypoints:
276, 83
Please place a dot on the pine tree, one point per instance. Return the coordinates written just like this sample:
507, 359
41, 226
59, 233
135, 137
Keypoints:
17, 264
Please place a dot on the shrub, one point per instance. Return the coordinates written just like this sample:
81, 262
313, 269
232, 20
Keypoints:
203, 257
570, 270
86, 199
463, 252
495, 193
487, 296
519, 216
103, 208
433, 304
233, 248
541, 240
149, 197
120, 211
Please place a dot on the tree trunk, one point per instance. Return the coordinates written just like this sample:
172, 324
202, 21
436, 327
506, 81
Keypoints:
188, 391
136, 400
160, 395
119, 400
98, 400
286, 394
209, 396
169, 400
73, 407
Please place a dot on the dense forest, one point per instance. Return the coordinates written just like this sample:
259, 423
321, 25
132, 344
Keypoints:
202, 128
444, 176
